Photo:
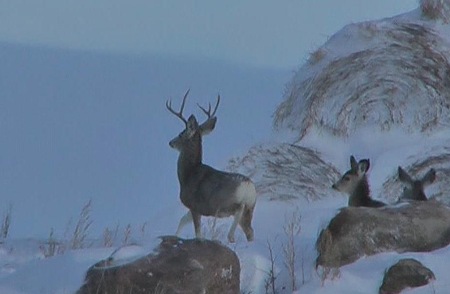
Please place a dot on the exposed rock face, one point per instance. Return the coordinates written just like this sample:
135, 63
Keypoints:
419, 226
406, 273
178, 266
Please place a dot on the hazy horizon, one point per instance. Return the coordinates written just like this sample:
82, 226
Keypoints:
259, 33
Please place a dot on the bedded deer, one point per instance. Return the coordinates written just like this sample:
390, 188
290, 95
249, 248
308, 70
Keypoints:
204, 190
414, 189
354, 182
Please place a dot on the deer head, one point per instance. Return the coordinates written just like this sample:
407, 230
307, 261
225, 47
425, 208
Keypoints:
415, 188
352, 178
191, 135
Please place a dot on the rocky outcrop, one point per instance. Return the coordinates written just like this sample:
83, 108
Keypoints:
419, 226
177, 266
406, 273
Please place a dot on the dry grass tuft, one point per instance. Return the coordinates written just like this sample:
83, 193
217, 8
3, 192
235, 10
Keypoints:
81, 231
292, 228
317, 56
436, 9
6, 223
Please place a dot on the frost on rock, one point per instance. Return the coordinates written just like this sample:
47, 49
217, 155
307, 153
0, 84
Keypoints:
286, 171
227, 273
394, 74
436, 157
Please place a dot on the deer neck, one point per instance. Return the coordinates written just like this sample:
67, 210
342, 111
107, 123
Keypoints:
361, 194
190, 159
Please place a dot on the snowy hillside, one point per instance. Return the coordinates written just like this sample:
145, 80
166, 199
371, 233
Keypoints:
373, 89
385, 74
377, 90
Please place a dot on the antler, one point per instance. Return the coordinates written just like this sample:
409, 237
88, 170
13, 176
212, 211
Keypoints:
210, 122
208, 112
180, 113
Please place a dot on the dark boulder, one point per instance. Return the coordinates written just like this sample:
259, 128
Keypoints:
177, 266
419, 226
406, 273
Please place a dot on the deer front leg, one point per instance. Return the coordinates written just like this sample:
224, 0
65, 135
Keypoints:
237, 219
197, 224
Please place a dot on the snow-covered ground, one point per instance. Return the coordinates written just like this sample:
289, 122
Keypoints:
84, 118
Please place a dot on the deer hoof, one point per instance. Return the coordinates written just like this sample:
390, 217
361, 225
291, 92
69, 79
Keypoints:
249, 234
231, 239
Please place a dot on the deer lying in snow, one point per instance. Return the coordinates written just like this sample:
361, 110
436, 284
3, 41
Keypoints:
415, 188
354, 182
205, 190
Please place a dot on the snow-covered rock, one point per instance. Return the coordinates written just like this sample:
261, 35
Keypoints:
176, 266
406, 273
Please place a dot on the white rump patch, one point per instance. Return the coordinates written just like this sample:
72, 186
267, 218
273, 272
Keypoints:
246, 193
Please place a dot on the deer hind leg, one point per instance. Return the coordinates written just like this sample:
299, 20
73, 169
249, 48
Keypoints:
237, 219
197, 224
246, 222
187, 218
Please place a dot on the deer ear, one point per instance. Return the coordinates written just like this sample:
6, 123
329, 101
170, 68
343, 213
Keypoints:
403, 175
353, 163
429, 178
208, 126
363, 166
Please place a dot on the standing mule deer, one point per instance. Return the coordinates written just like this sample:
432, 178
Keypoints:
415, 188
354, 182
205, 190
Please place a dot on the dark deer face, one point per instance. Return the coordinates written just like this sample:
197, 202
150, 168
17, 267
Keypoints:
352, 178
187, 136
415, 188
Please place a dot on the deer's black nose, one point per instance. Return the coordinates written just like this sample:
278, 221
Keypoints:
334, 187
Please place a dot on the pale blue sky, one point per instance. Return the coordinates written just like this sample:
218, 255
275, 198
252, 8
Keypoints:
263, 33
